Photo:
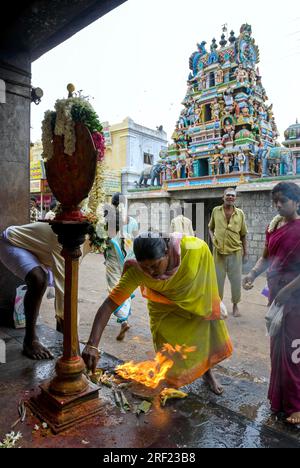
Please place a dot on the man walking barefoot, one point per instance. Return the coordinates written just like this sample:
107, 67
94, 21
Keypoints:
228, 231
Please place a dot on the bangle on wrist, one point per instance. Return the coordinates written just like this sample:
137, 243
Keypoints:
93, 347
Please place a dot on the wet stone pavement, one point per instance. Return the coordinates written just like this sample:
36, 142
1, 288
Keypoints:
240, 418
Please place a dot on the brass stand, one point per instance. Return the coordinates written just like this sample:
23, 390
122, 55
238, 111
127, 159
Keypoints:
69, 397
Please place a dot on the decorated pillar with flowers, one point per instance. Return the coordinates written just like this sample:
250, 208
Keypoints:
73, 150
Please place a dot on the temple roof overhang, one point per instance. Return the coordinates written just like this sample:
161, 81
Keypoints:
289, 143
35, 27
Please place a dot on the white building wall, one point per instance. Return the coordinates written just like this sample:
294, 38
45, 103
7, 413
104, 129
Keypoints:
140, 140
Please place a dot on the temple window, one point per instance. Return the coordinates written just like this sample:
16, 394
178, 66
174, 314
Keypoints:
212, 79
232, 75
208, 113
148, 158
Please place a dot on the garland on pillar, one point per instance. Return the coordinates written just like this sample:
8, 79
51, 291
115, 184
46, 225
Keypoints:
94, 210
61, 122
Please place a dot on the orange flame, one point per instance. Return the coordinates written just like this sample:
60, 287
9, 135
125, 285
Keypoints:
152, 373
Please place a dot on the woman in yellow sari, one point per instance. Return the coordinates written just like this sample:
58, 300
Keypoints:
178, 279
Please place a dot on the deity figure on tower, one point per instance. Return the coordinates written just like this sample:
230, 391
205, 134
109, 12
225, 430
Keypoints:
241, 74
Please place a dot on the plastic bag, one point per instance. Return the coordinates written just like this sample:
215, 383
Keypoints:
19, 315
265, 291
124, 311
274, 319
224, 313
51, 285
50, 292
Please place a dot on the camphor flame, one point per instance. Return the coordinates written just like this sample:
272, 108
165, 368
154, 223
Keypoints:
152, 373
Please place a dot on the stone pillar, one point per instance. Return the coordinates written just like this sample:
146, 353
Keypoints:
259, 212
14, 160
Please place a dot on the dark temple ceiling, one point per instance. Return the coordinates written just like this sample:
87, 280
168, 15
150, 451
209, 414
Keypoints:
35, 27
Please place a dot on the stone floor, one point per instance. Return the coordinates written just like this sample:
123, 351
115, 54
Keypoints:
251, 345
240, 418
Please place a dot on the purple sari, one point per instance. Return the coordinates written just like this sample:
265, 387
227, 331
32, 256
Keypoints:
284, 254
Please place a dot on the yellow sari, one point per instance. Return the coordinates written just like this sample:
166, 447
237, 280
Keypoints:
184, 310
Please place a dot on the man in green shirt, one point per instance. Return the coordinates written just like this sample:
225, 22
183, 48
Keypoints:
228, 231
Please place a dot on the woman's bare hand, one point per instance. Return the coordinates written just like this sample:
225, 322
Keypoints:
248, 282
91, 357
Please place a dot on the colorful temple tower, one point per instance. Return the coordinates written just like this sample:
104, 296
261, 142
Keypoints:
226, 127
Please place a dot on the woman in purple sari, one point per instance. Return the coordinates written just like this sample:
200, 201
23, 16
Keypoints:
282, 259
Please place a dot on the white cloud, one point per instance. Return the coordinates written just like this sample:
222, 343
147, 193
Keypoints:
134, 61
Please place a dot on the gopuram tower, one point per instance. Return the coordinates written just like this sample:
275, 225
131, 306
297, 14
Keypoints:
226, 127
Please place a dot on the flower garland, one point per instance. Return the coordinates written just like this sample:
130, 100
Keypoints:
62, 122
274, 223
47, 134
94, 210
